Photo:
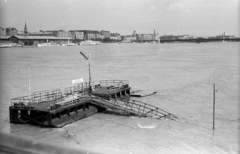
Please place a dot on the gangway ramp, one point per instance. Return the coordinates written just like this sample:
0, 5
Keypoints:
133, 107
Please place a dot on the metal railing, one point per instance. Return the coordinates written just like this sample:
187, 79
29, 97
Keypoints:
38, 97
20, 101
114, 83
46, 95
79, 88
53, 98
106, 87
135, 107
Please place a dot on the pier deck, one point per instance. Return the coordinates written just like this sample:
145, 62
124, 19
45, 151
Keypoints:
52, 108
55, 109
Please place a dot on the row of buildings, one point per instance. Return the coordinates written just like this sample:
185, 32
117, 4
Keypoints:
199, 39
55, 36
80, 35
76, 36
141, 37
8, 31
186, 36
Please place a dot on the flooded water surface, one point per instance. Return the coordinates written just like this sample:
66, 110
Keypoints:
183, 75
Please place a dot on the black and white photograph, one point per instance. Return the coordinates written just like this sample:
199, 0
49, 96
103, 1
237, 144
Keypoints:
119, 76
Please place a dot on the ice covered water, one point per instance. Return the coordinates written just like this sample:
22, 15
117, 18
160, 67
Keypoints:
182, 74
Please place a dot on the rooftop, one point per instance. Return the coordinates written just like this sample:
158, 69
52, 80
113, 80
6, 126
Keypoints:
41, 37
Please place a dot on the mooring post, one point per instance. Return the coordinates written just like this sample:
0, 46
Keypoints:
214, 106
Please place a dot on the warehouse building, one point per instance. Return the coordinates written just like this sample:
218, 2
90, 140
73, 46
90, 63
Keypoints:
33, 40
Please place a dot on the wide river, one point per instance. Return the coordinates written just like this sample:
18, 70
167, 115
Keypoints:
183, 75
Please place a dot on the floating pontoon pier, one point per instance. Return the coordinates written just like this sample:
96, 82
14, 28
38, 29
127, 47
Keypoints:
56, 109
52, 108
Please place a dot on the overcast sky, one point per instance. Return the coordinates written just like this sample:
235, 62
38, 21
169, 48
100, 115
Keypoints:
194, 17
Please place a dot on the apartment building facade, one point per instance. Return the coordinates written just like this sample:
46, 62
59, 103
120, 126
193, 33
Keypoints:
11, 31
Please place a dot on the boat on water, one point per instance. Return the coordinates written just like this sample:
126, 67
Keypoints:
90, 42
6, 45
126, 41
43, 44
71, 44
17, 45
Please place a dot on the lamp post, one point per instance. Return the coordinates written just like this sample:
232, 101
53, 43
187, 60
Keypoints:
88, 58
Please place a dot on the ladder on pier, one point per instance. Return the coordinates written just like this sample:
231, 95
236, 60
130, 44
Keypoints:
134, 107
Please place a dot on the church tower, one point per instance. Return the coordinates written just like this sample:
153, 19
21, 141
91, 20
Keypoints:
25, 29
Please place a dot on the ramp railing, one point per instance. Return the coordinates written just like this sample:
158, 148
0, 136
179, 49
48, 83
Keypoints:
134, 107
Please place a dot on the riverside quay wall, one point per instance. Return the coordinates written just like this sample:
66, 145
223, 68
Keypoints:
200, 40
